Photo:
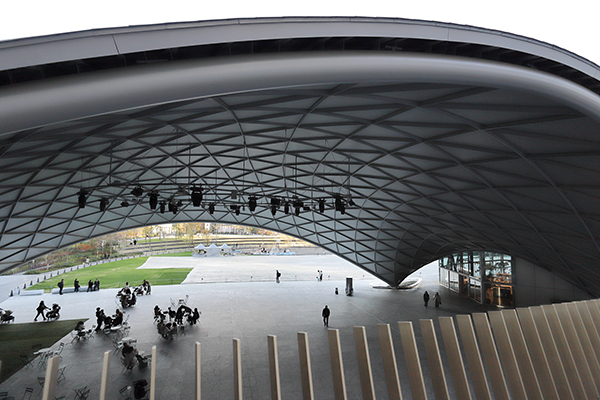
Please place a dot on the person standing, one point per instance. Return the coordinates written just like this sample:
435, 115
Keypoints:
76, 285
325, 314
96, 284
61, 285
40, 310
90, 286
437, 299
277, 275
99, 318
426, 298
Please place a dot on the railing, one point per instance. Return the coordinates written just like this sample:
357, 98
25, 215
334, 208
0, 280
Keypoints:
543, 352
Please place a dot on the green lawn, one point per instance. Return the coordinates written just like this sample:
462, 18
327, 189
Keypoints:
17, 339
115, 274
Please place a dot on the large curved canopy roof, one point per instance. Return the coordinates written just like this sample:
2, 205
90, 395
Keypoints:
427, 138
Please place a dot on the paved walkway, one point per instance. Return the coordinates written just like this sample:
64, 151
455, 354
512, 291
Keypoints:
248, 311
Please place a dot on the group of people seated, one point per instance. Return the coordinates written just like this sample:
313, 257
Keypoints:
107, 320
175, 319
80, 333
131, 356
127, 297
143, 289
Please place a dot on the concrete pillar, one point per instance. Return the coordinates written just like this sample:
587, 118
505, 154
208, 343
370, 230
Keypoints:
274, 367
390, 367
413, 364
305, 369
364, 363
490, 356
104, 381
434, 360
473, 356
49, 390
237, 370
198, 372
337, 365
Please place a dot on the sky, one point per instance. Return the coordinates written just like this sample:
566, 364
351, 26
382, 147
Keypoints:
571, 25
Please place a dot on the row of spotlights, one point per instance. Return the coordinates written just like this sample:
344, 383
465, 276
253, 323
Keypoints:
197, 195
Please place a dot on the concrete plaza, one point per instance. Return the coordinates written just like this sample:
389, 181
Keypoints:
248, 309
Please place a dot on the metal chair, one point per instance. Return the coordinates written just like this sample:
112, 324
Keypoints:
61, 374
27, 394
82, 393
26, 361
126, 391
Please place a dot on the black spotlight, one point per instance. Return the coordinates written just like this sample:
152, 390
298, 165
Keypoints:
286, 208
81, 199
237, 211
339, 204
103, 204
275, 203
171, 206
196, 196
125, 203
153, 200
162, 206
252, 203
137, 191
298, 206
351, 203
211, 208
321, 206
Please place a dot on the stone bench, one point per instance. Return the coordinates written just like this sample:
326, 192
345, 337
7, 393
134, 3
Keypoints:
69, 290
31, 292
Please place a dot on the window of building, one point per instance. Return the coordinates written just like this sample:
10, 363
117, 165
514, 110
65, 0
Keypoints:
463, 273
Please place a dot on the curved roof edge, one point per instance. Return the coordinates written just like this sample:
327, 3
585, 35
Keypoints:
28, 52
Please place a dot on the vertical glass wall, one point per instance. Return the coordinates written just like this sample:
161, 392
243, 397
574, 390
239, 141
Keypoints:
484, 276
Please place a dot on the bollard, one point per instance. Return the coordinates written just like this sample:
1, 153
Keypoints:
38, 279
31, 283
24, 286
336, 290
11, 294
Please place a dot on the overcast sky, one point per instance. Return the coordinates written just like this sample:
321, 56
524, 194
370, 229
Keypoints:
572, 25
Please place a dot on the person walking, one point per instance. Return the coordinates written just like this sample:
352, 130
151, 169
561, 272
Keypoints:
277, 275
426, 298
90, 286
61, 285
326, 312
40, 310
437, 300
76, 285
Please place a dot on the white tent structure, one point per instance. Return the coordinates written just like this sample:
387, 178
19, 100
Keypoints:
225, 249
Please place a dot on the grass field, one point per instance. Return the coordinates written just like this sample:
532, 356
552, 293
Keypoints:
17, 339
115, 274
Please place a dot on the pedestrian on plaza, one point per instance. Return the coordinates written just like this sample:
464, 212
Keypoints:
277, 275
90, 286
99, 318
40, 310
76, 285
172, 314
426, 298
61, 284
96, 284
320, 275
437, 299
325, 314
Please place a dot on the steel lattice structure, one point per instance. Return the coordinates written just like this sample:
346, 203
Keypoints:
435, 138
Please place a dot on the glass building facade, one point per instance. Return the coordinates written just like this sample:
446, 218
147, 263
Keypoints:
484, 276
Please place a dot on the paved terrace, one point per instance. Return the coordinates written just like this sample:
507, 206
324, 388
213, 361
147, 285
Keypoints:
249, 311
